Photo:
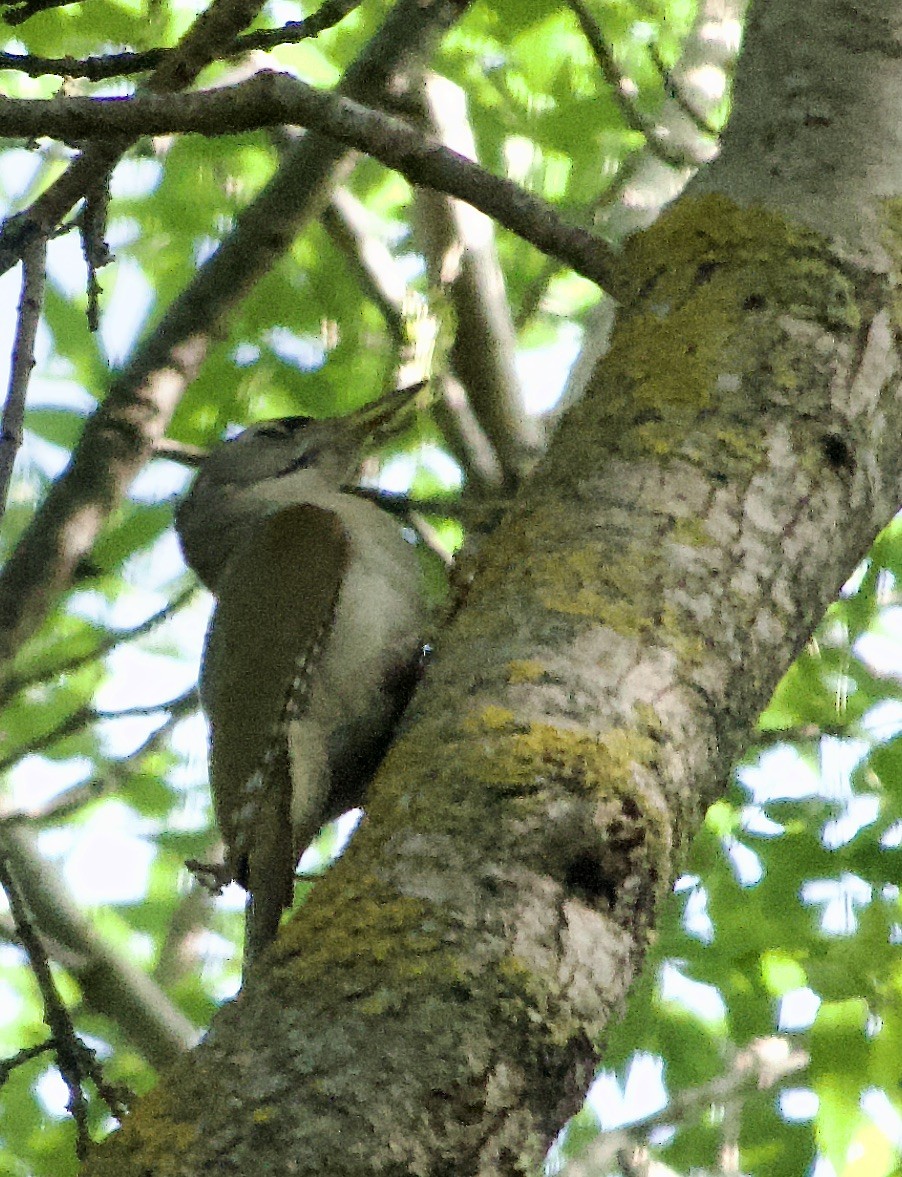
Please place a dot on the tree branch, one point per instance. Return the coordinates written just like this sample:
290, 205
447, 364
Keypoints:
12, 683
111, 985
18, 11
461, 253
31, 301
75, 1061
118, 65
349, 225
382, 281
272, 99
610, 71
84, 717
217, 26
764, 1063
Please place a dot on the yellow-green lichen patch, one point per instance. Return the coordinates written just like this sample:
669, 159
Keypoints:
153, 1140
712, 283
490, 719
741, 445
353, 929
579, 581
525, 670
524, 995
690, 531
537, 754
668, 357
590, 582
891, 212
684, 641
779, 265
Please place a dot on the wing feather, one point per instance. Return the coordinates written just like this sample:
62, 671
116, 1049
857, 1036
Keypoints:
276, 598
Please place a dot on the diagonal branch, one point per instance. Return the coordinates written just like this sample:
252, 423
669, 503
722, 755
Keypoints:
30, 303
13, 682
111, 984
217, 26
273, 99
383, 281
119, 65
632, 116
462, 256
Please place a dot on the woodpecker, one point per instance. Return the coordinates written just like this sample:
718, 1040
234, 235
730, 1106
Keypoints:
313, 645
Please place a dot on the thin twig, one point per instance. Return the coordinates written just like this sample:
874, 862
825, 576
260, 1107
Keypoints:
632, 116
181, 702
18, 11
382, 280
84, 717
118, 65
25, 1055
270, 99
31, 301
92, 229
764, 1063
675, 93
218, 25
13, 683
350, 227
111, 983
75, 1061
117, 772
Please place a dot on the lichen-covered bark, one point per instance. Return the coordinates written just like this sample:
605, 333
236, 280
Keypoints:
437, 1005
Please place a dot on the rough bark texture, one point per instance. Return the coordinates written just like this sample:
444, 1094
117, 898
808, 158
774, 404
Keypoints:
815, 132
437, 1005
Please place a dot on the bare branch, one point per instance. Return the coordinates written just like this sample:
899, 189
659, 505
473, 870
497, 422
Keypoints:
461, 252
270, 99
465, 437
12, 683
31, 300
382, 281
18, 11
111, 984
116, 774
75, 1061
84, 717
92, 228
763, 1064
118, 65
349, 225
25, 1055
676, 95
178, 956
217, 26
632, 116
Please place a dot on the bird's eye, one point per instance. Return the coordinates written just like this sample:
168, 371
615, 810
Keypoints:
307, 458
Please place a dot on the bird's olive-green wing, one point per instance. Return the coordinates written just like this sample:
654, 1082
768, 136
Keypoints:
276, 598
